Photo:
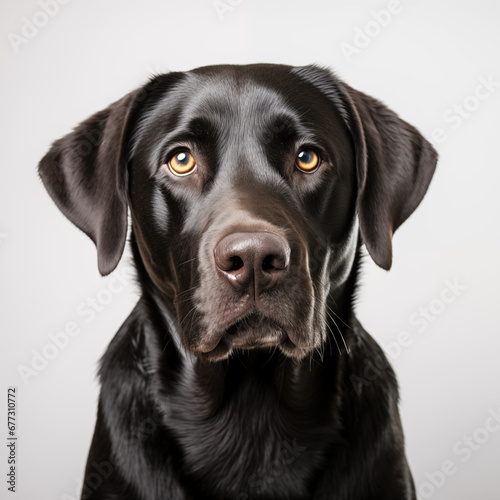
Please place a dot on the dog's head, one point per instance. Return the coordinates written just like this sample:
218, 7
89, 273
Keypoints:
248, 188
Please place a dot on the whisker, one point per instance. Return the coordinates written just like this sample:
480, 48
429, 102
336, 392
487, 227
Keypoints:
182, 301
333, 312
186, 291
181, 294
334, 338
271, 354
168, 341
241, 360
193, 309
340, 332
187, 261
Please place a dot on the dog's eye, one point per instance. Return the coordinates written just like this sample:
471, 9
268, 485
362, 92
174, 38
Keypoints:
307, 160
182, 163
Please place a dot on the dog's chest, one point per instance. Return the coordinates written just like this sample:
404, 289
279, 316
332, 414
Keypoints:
253, 447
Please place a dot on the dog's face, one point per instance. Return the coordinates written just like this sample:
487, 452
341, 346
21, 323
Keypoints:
245, 186
242, 179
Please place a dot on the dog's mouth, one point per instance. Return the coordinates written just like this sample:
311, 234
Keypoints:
253, 331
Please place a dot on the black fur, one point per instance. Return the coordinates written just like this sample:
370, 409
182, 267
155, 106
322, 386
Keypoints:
255, 388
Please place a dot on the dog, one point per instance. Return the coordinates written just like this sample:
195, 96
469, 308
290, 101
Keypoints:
241, 372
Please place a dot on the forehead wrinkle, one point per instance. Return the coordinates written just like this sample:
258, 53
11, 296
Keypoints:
245, 103
188, 98
235, 100
239, 111
254, 108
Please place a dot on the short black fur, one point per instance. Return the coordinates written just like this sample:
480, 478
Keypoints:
244, 382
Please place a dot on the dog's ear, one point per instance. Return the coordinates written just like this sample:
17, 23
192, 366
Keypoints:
395, 165
85, 173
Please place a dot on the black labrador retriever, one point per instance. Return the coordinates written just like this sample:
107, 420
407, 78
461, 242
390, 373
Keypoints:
240, 374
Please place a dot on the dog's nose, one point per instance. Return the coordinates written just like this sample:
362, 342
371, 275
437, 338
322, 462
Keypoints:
258, 258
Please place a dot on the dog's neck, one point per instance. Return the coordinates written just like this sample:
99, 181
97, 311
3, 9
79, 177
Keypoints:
259, 396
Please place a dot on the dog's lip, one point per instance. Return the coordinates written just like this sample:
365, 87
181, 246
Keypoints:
245, 333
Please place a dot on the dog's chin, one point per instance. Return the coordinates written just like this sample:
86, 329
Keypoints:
253, 332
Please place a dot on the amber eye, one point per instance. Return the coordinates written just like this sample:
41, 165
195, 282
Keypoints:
182, 163
307, 160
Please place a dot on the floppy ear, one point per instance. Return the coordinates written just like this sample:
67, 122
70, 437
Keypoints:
395, 165
85, 173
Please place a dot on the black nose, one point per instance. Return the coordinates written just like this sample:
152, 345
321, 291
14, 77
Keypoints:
256, 259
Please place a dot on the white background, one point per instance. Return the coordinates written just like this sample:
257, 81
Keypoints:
428, 58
